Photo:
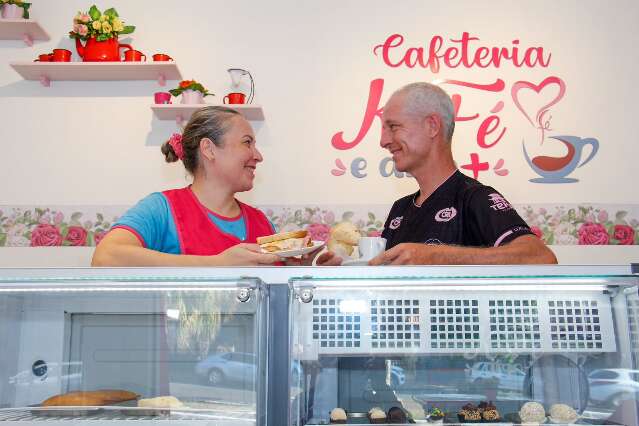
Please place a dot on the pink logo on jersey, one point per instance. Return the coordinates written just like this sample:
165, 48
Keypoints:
396, 222
444, 215
499, 202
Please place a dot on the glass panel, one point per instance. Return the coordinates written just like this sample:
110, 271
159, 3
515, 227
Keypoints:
398, 351
102, 351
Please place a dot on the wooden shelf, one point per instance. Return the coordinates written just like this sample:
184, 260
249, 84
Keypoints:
45, 72
182, 112
22, 29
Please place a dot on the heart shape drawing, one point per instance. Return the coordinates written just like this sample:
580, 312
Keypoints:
514, 92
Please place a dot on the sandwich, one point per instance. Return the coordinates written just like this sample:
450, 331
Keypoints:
343, 238
284, 241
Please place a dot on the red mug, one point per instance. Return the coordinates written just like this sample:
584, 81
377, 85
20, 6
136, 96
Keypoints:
162, 97
235, 98
61, 55
45, 57
162, 57
134, 56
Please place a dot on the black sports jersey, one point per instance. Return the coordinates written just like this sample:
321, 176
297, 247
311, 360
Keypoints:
461, 212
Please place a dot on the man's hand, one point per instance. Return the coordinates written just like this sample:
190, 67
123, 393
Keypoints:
407, 254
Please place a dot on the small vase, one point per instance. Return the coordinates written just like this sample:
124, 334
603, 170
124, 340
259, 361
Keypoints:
192, 97
12, 11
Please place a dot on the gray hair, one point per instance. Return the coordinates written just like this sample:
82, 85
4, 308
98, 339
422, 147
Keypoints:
426, 98
210, 122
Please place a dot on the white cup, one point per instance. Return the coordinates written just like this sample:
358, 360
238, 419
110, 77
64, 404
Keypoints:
369, 247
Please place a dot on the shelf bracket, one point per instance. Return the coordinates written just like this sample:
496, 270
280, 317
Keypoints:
45, 81
28, 40
161, 79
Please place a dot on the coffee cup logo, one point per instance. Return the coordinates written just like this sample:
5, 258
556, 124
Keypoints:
557, 169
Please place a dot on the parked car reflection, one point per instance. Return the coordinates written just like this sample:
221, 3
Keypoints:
610, 387
500, 375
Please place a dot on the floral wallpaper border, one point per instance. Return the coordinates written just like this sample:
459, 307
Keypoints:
86, 225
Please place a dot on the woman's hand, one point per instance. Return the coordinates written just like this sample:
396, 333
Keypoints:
246, 255
325, 259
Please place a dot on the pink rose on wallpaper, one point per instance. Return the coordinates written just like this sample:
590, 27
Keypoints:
538, 232
375, 233
593, 234
602, 216
46, 235
97, 237
318, 231
77, 236
624, 234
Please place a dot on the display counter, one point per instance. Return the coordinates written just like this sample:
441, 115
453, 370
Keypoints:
297, 346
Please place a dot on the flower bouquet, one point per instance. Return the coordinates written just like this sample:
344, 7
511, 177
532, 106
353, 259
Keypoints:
192, 92
101, 31
99, 25
14, 9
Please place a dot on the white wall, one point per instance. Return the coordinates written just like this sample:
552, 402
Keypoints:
97, 143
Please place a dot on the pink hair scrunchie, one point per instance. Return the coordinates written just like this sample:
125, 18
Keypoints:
176, 143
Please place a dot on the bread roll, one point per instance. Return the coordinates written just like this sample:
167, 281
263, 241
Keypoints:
161, 402
89, 398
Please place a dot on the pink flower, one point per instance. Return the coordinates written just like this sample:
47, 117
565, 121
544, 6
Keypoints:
329, 217
77, 236
84, 17
58, 218
83, 30
98, 236
593, 234
375, 233
318, 231
543, 211
44, 219
538, 232
602, 216
46, 235
624, 234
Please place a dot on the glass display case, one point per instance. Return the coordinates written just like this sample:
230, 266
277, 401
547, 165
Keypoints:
511, 349
99, 350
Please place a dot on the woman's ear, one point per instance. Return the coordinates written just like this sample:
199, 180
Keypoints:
207, 149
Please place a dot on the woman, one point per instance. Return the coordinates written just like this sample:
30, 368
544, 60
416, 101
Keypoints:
202, 224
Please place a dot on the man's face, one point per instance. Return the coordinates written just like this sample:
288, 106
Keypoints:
405, 136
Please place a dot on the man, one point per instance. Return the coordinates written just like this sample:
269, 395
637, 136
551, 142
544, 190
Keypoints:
452, 219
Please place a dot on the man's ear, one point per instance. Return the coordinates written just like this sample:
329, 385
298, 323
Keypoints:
207, 149
433, 125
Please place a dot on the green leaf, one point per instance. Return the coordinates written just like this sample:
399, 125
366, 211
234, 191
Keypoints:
102, 37
347, 216
100, 217
111, 13
25, 7
3, 240
620, 216
94, 13
75, 217
371, 216
128, 29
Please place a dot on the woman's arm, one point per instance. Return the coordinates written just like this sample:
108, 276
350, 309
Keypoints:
122, 248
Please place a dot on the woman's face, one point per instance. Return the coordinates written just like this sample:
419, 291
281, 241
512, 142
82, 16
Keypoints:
236, 160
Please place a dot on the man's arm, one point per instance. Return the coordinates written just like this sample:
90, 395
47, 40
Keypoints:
526, 249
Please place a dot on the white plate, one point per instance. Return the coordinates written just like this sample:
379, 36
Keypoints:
355, 262
298, 252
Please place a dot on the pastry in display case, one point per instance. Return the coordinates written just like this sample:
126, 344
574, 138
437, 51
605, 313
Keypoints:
515, 350
89, 350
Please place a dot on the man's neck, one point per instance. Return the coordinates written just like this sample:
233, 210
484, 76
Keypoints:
432, 175
215, 199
